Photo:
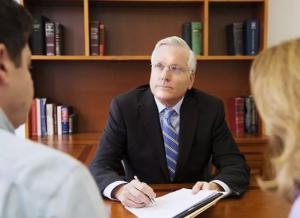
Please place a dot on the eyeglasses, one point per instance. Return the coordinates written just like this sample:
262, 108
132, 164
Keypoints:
173, 68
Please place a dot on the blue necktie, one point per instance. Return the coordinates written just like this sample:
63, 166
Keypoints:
170, 141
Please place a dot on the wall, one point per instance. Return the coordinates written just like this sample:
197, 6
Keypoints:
284, 18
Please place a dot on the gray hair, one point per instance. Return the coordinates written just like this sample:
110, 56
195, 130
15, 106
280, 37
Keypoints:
177, 41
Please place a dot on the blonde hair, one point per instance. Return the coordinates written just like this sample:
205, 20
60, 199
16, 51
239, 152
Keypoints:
275, 84
176, 41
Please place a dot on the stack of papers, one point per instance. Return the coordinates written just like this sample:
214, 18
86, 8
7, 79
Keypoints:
180, 203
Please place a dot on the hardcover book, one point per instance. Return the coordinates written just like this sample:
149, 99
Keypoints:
186, 33
50, 38
196, 28
101, 39
94, 38
59, 39
37, 37
235, 41
251, 36
236, 115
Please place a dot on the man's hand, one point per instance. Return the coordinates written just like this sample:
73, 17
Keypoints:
134, 194
206, 186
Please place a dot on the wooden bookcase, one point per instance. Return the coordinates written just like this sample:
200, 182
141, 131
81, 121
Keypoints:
132, 28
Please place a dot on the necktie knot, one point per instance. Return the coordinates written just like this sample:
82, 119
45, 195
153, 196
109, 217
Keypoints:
169, 112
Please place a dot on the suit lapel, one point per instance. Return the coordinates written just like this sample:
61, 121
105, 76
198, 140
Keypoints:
188, 124
150, 118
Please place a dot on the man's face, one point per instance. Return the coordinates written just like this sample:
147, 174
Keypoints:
170, 76
19, 90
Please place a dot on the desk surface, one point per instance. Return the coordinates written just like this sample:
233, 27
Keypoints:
254, 204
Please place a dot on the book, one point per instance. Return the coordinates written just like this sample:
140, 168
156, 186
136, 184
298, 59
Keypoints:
50, 38
254, 118
38, 116
59, 125
37, 37
33, 123
251, 36
196, 35
94, 38
65, 120
180, 203
73, 123
186, 33
49, 119
236, 115
43, 116
59, 39
235, 41
101, 39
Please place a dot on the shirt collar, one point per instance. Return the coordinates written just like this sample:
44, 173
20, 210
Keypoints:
176, 107
5, 123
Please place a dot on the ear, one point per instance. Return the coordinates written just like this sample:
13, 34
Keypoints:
4, 60
192, 79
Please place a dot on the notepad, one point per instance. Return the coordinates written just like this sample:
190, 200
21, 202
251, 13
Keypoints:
180, 203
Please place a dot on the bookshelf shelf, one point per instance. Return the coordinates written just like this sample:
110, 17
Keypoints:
127, 58
241, 1
93, 138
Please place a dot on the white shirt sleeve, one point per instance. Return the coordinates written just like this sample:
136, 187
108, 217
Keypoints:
108, 189
76, 197
224, 186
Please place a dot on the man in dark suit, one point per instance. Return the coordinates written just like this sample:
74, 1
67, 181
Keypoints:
167, 133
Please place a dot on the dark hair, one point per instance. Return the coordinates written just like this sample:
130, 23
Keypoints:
15, 28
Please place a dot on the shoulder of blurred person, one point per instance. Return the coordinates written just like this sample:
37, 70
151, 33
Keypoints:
37, 181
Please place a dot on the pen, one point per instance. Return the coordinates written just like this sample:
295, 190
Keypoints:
151, 199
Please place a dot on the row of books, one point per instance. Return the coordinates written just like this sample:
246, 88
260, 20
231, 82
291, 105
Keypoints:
51, 119
192, 34
243, 116
243, 37
47, 37
96, 38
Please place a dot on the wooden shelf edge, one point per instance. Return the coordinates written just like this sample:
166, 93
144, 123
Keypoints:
95, 136
251, 139
130, 58
147, 1
239, 1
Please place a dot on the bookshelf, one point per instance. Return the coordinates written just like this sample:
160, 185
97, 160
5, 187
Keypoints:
132, 27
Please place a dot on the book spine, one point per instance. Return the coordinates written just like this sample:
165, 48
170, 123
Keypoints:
248, 114
43, 116
73, 123
59, 127
236, 115
196, 28
37, 38
50, 38
59, 39
101, 39
235, 39
49, 118
65, 120
251, 35
54, 119
254, 118
38, 116
94, 37
33, 123
186, 33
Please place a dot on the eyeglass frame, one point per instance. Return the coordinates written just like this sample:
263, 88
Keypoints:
160, 67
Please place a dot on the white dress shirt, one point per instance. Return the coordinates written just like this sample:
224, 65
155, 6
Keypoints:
40, 182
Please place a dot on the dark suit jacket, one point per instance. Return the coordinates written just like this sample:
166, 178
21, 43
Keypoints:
133, 134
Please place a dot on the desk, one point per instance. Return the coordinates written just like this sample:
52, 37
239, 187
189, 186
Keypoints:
254, 204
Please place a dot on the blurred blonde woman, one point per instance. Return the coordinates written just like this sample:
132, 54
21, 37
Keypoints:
275, 84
